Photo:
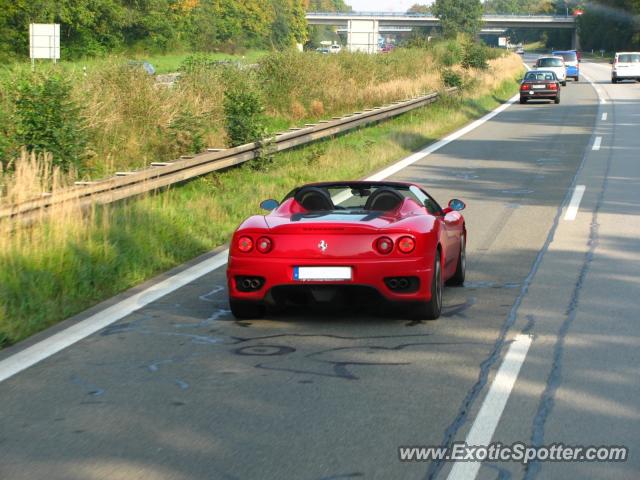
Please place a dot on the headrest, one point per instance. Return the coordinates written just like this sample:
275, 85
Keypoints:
314, 199
384, 199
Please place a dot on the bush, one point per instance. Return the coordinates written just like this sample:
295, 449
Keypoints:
186, 133
8, 148
447, 52
475, 56
48, 120
200, 61
243, 112
452, 78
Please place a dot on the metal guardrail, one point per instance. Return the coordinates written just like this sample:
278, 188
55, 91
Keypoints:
162, 174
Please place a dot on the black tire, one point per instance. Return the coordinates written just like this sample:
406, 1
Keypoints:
246, 310
523, 100
614, 80
556, 100
461, 268
431, 309
577, 79
564, 84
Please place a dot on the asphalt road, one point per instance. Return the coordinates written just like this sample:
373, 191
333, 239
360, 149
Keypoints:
179, 390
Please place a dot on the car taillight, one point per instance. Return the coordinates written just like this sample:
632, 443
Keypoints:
406, 244
384, 245
245, 244
552, 86
264, 245
525, 86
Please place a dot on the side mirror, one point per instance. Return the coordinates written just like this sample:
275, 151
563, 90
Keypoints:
269, 205
456, 205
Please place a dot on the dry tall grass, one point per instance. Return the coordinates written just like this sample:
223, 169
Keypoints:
345, 82
133, 121
500, 68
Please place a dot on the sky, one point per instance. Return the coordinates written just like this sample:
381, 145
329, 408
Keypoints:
383, 5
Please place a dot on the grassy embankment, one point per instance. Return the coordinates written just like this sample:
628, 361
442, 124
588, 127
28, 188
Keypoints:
533, 47
62, 265
130, 121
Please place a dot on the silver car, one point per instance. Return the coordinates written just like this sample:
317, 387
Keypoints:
554, 64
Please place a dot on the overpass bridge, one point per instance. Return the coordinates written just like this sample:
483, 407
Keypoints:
363, 27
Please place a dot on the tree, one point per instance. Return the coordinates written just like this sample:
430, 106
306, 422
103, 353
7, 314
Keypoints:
503, 6
93, 27
610, 25
459, 16
326, 6
290, 25
421, 9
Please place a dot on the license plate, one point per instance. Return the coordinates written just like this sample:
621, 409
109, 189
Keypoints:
322, 273
539, 86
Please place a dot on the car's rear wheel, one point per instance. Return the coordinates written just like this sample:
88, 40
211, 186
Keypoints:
523, 100
577, 79
244, 310
461, 267
564, 84
557, 99
431, 310
614, 80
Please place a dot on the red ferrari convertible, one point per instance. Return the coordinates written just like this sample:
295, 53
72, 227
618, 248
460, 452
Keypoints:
348, 241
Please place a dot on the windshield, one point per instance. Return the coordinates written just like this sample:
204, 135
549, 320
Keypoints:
569, 56
629, 58
549, 62
540, 76
356, 198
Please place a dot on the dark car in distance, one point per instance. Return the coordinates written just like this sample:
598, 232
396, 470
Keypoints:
540, 84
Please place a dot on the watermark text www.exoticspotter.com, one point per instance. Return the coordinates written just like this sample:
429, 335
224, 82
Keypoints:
517, 452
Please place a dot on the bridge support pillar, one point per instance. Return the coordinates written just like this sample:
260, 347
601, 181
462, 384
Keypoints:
575, 40
362, 35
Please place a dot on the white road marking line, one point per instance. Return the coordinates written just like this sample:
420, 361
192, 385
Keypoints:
574, 204
598, 90
61, 340
604, 116
597, 143
402, 164
493, 405
65, 338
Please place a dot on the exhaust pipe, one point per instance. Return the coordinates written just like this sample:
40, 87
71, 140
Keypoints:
246, 284
255, 284
393, 284
403, 283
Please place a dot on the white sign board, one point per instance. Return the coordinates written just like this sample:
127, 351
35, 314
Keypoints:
44, 40
502, 41
362, 36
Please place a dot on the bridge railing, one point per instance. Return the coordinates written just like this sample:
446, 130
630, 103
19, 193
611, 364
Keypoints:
429, 16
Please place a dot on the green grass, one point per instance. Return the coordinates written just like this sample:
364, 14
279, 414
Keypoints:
170, 63
535, 47
163, 63
61, 268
